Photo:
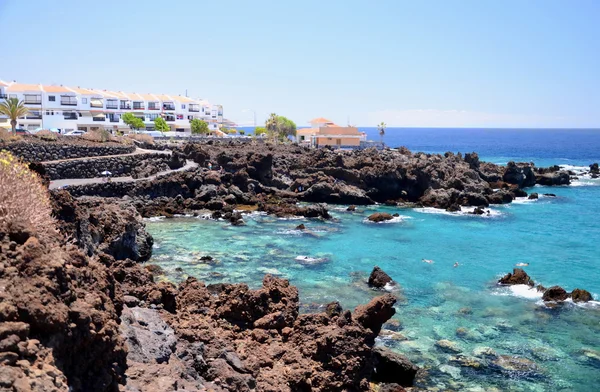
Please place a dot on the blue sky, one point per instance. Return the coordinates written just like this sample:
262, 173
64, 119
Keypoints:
476, 63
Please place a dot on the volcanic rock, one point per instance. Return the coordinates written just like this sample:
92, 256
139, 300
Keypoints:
555, 293
393, 368
579, 295
518, 276
380, 217
378, 278
533, 196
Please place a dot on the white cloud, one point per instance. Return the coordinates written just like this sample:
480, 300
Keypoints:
462, 118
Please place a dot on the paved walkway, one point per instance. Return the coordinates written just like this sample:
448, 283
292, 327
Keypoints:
137, 151
85, 181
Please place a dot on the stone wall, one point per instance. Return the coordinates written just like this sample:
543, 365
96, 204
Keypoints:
37, 152
137, 166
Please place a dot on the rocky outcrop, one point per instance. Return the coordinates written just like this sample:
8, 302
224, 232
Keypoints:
552, 179
520, 174
58, 319
97, 226
378, 278
518, 276
555, 293
391, 367
378, 217
579, 295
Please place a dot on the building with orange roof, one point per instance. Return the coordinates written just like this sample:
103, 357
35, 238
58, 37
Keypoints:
324, 132
71, 108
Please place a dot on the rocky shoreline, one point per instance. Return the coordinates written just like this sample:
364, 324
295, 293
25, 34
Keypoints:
80, 312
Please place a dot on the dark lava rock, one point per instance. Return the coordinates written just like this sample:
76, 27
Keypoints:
393, 368
478, 211
379, 278
518, 276
594, 168
549, 195
393, 387
375, 313
519, 193
454, 208
519, 174
301, 227
533, 196
556, 178
580, 295
333, 309
555, 293
380, 217
351, 208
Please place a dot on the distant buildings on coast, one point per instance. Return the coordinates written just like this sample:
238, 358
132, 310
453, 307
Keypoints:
76, 108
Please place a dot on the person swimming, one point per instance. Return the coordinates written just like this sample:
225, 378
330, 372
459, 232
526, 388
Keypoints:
522, 264
456, 264
427, 261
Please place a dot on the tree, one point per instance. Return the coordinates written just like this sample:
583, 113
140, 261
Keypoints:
133, 121
199, 126
280, 127
161, 125
242, 132
260, 131
381, 128
13, 109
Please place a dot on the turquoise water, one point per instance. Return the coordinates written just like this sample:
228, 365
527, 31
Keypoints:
547, 349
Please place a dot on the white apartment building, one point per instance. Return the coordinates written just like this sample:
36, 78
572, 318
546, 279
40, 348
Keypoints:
75, 108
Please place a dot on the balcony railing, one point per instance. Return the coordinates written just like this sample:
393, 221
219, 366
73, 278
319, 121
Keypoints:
138, 107
98, 118
153, 107
195, 110
170, 118
3, 96
112, 106
168, 107
71, 116
114, 119
68, 103
33, 101
125, 107
34, 117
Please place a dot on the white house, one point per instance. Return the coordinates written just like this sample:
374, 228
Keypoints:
72, 108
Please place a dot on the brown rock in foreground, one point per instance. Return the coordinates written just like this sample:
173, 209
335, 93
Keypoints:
518, 276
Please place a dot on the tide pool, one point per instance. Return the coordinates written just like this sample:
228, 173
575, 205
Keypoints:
546, 349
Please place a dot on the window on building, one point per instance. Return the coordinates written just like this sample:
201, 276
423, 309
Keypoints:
180, 116
153, 106
12, 95
183, 106
33, 99
83, 100
51, 98
112, 103
68, 100
96, 102
138, 105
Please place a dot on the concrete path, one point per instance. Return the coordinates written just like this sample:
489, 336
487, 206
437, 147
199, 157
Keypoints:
85, 181
137, 151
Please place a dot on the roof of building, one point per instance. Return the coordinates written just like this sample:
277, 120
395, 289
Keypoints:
80, 90
23, 87
320, 120
56, 89
20, 87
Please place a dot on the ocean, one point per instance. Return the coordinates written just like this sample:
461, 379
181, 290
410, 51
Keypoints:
535, 348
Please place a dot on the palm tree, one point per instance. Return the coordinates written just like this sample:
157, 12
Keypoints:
381, 128
13, 109
272, 125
